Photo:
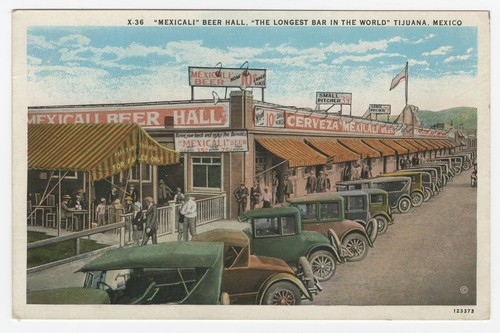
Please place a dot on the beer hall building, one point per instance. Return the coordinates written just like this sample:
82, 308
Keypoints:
223, 142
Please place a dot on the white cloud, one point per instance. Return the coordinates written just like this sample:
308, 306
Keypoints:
40, 42
426, 38
442, 50
363, 58
457, 58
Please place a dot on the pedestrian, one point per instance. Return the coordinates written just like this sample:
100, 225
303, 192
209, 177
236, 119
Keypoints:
180, 219
190, 213
356, 172
366, 171
118, 211
322, 183
346, 172
267, 198
100, 212
129, 204
241, 194
113, 194
132, 192
151, 222
164, 193
137, 223
311, 183
287, 187
255, 194
275, 184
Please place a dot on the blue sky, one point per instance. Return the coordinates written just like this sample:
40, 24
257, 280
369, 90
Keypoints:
79, 65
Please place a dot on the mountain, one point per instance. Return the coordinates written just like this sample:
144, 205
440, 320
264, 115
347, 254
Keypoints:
459, 117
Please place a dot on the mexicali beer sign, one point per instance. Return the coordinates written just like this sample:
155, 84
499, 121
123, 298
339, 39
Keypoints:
227, 77
186, 115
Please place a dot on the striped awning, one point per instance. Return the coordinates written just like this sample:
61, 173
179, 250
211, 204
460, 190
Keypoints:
433, 143
392, 144
379, 146
360, 148
100, 149
334, 150
418, 144
295, 151
407, 145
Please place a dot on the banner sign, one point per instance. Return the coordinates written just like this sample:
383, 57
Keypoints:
211, 142
430, 133
335, 98
187, 115
227, 77
338, 125
269, 118
380, 108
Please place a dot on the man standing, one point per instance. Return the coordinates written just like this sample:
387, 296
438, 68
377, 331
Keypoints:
241, 194
255, 194
311, 183
275, 183
287, 187
164, 193
190, 213
322, 184
151, 224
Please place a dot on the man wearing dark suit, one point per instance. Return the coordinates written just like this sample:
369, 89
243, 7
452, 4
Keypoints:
151, 224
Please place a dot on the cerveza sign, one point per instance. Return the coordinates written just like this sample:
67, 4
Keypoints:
182, 115
380, 108
333, 98
227, 77
211, 142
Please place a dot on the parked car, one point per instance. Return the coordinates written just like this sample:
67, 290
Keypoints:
251, 279
278, 232
325, 211
433, 186
453, 168
468, 160
436, 174
398, 189
446, 174
421, 185
357, 208
380, 209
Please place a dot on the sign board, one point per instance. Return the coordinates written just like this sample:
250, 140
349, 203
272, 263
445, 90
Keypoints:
430, 133
380, 108
333, 98
185, 115
264, 117
227, 77
211, 142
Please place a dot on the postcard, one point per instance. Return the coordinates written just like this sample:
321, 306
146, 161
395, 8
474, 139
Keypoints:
212, 163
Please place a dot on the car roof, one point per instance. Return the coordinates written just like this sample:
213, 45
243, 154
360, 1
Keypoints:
372, 190
164, 255
229, 237
262, 212
352, 192
316, 197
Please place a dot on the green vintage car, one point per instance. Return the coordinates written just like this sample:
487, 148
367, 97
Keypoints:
420, 186
277, 232
380, 208
167, 273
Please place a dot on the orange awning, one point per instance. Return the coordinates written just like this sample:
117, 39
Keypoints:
379, 146
295, 151
357, 146
100, 149
407, 145
424, 143
333, 149
392, 144
418, 144
434, 144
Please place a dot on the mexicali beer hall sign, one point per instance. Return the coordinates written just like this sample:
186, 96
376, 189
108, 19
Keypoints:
186, 115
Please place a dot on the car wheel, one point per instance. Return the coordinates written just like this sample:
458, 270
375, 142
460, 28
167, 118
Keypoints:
427, 194
382, 224
304, 271
323, 265
282, 293
404, 205
416, 199
357, 246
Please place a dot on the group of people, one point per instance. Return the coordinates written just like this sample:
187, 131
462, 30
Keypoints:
406, 162
317, 184
70, 205
359, 170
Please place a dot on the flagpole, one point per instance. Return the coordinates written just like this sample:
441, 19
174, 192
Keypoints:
406, 84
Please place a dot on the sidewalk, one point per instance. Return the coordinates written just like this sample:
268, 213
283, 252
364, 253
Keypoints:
66, 275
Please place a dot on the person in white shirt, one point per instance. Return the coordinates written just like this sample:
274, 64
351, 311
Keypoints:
189, 212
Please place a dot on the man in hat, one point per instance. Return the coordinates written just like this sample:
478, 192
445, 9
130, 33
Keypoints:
132, 192
164, 193
100, 212
65, 210
151, 223
275, 184
241, 193
189, 210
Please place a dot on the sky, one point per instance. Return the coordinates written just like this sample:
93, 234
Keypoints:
89, 65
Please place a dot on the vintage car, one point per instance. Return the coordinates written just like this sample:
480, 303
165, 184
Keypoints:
398, 189
357, 208
468, 160
434, 184
277, 232
443, 170
323, 212
421, 185
453, 168
251, 279
380, 209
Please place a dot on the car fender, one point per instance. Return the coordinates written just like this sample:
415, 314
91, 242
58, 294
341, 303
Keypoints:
368, 239
407, 196
332, 249
383, 214
419, 191
282, 277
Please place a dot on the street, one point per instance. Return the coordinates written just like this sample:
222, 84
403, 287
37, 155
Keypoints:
428, 257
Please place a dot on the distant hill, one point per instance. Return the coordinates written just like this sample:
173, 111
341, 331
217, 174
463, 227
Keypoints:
459, 117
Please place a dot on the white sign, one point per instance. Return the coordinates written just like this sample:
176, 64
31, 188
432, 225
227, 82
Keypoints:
227, 77
269, 118
380, 108
211, 142
333, 98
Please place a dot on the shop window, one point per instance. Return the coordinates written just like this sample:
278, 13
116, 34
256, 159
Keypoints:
207, 172
66, 175
135, 173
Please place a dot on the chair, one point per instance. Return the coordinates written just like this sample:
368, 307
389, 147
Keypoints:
51, 219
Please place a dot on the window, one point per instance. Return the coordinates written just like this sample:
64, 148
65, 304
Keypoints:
377, 198
356, 203
328, 210
307, 211
66, 175
207, 172
266, 226
288, 225
135, 173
